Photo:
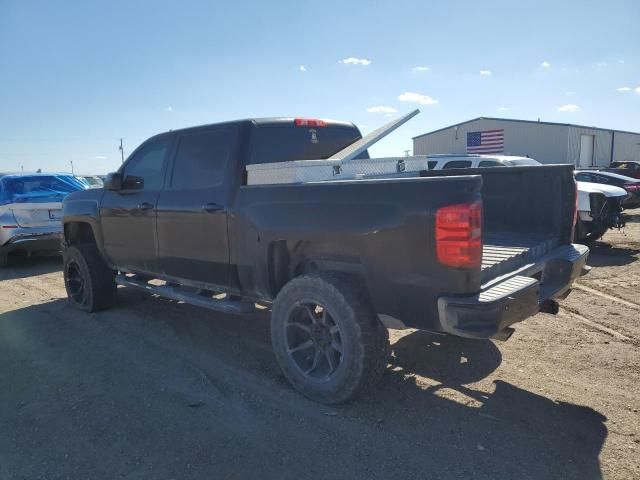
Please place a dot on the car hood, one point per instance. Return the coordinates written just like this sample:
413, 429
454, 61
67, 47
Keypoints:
608, 191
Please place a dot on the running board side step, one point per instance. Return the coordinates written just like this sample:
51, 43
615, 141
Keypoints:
236, 307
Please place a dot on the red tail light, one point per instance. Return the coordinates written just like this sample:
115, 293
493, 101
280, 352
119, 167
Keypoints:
631, 188
9, 226
459, 235
310, 122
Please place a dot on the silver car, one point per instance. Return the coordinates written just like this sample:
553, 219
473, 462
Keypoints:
31, 209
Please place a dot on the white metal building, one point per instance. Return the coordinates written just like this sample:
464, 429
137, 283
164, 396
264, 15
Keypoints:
546, 142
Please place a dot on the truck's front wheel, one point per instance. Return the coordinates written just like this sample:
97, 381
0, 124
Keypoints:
89, 282
328, 340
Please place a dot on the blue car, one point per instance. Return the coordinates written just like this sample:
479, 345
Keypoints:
31, 209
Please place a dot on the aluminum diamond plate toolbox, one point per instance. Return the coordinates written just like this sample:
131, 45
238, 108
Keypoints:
303, 171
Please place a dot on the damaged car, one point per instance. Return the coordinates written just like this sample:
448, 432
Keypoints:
31, 210
599, 209
631, 185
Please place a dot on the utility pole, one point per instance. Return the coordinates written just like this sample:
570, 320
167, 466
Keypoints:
121, 151
71, 162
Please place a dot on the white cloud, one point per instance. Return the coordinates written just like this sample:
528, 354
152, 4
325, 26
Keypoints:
503, 109
569, 107
303, 68
485, 72
570, 94
545, 64
356, 61
417, 98
381, 109
100, 157
420, 69
637, 90
623, 89
169, 109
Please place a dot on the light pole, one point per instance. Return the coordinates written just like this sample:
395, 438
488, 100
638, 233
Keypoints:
71, 162
121, 151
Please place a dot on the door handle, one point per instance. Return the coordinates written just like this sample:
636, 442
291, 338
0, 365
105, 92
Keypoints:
145, 206
212, 207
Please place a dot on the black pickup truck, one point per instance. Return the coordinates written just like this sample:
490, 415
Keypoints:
465, 252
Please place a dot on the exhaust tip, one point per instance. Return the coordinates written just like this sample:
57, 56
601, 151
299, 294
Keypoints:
550, 306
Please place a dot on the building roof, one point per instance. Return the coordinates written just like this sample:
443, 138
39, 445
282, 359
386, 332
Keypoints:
525, 121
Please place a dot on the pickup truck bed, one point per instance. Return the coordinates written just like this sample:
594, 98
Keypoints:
504, 252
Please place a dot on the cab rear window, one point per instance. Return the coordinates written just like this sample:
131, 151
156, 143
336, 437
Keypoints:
283, 143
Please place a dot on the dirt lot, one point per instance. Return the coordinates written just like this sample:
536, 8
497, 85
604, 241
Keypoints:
155, 389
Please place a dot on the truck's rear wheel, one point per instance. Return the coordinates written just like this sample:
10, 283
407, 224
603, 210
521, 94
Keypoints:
89, 282
328, 340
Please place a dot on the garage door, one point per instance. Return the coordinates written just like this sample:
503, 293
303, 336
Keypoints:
586, 151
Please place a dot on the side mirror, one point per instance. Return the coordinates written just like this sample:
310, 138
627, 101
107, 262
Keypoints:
113, 181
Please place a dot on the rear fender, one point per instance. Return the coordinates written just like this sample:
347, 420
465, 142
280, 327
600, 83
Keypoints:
81, 223
289, 259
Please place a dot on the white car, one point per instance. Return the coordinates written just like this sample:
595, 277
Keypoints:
445, 162
599, 209
31, 210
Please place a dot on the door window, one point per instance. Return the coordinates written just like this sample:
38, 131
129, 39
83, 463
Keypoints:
490, 163
585, 177
457, 164
201, 158
601, 179
626, 165
144, 170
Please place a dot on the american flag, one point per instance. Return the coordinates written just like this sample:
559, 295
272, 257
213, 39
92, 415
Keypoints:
486, 141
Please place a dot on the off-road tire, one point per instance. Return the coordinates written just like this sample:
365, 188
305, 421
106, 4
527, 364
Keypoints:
4, 260
98, 281
364, 339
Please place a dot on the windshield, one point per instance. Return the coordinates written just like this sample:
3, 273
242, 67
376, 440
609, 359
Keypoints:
21, 188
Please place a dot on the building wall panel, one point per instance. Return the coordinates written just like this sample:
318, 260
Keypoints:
626, 146
545, 143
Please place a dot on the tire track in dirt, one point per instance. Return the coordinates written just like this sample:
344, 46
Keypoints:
608, 296
568, 312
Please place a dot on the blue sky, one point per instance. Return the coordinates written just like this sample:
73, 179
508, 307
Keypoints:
75, 76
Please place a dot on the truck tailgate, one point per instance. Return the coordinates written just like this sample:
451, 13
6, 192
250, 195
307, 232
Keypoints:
528, 211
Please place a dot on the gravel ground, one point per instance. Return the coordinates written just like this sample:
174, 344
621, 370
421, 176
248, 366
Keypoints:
158, 390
